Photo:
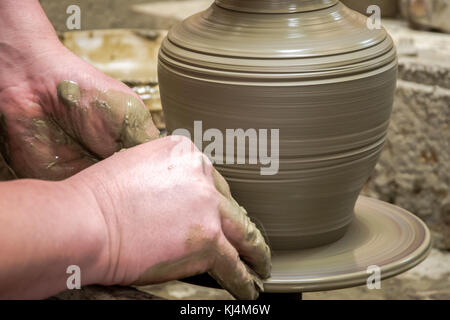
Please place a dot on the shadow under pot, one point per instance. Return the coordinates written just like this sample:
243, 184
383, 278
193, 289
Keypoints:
312, 88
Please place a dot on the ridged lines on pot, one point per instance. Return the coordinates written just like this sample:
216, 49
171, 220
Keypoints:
321, 78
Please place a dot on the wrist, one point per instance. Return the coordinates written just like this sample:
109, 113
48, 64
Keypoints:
46, 228
98, 190
90, 246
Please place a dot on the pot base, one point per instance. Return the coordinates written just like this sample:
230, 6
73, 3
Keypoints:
381, 236
306, 242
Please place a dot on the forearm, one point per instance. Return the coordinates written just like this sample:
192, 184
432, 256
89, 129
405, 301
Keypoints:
24, 20
44, 228
25, 35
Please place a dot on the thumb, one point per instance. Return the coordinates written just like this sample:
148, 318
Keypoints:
104, 121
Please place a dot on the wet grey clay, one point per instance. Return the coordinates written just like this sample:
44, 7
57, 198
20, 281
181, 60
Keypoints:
310, 68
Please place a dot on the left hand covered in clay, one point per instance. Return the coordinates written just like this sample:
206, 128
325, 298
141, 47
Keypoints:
59, 115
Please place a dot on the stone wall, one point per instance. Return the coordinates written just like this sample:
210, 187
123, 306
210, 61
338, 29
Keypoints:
414, 169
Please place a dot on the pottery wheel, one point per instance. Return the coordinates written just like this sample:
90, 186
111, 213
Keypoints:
381, 234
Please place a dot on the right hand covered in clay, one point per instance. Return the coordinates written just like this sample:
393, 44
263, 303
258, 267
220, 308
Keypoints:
168, 215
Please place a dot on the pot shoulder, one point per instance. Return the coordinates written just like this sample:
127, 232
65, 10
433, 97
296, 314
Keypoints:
329, 42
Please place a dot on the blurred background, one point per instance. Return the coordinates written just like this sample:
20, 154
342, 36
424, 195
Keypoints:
122, 38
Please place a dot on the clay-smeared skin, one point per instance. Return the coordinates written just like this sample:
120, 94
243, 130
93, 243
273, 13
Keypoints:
236, 217
321, 77
34, 65
209, 231
69, 93
241, 281
88, 125
128, 122
149, 208
6, 172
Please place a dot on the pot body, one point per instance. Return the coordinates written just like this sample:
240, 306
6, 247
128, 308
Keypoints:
329, 99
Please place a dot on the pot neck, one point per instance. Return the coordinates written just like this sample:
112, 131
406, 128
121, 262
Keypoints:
275, 6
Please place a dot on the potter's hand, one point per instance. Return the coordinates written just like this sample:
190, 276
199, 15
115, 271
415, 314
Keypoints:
170, 215
58, 114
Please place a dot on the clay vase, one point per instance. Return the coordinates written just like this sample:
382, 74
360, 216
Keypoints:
310, 68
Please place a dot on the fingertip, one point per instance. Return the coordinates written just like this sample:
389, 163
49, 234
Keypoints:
257, 281
138, 126
69, 93
266, 269
245, 236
